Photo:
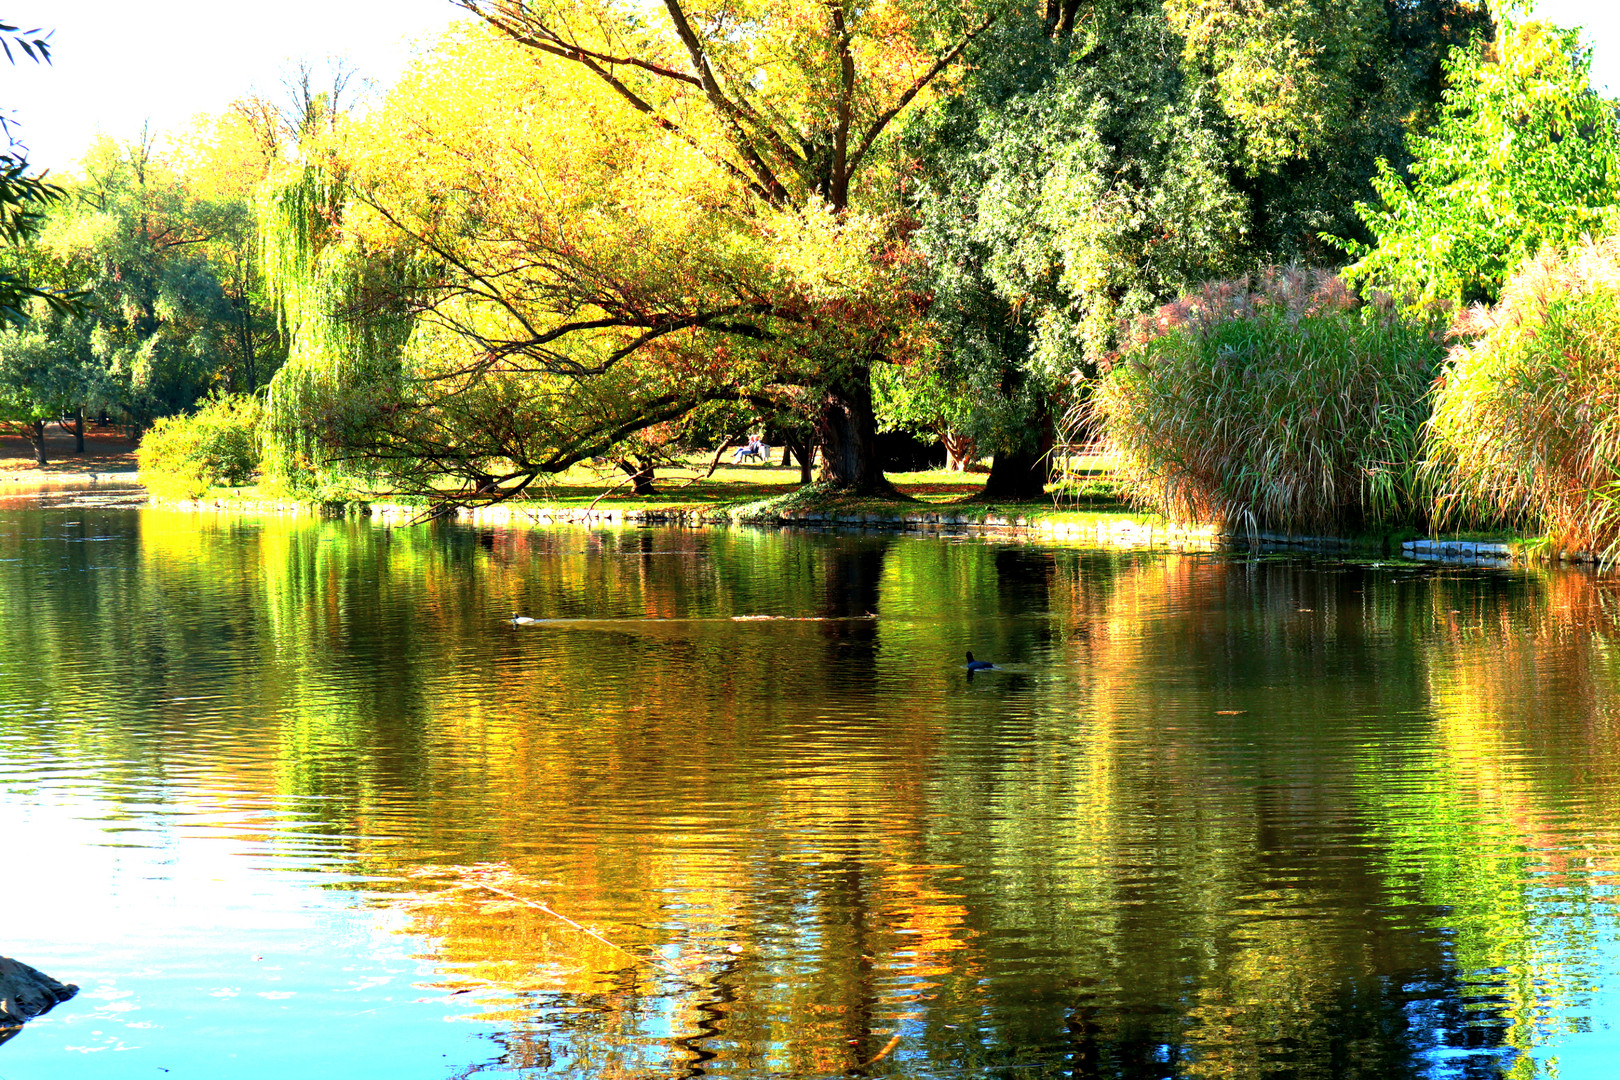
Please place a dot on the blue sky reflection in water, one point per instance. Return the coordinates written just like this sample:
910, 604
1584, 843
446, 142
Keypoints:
285, 796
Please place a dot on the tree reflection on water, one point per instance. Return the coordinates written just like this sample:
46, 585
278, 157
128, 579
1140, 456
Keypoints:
1224, 817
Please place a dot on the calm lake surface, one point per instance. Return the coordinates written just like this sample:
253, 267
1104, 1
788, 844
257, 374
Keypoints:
292, 798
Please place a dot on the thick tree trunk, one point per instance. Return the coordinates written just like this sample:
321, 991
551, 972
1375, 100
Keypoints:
36, 439
801, 450
1021, 475
641, 476
78, 432
959, 451
245, 332
848, 430
1059, 16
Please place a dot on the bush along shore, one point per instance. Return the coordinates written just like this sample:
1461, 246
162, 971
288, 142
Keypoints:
1288, 404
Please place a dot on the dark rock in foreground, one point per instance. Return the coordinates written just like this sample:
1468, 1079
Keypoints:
26, 993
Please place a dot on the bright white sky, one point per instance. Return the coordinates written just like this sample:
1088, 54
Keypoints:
120, 63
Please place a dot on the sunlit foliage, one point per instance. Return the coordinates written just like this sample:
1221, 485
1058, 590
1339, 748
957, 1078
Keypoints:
343, 360
590, 248
184, 456
1525, 155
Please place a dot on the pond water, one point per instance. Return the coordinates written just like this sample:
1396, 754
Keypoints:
293, 798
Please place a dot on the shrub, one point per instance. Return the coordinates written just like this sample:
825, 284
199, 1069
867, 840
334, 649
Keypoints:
1526, 425
184, 456
1278, 403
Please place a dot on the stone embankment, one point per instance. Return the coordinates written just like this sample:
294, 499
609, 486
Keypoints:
1474, 552
1488, 552
1105, 529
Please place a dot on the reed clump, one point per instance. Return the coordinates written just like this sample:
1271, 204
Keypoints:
1278, 401
1526, 423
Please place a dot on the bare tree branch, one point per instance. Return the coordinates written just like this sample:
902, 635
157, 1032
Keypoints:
945, 61
758, 177
839, 195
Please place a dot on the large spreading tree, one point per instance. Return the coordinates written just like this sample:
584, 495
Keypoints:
592, 218
1103, 161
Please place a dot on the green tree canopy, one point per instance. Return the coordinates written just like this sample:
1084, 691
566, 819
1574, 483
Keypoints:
131, 237
1525, 155
1082, 178
156, 328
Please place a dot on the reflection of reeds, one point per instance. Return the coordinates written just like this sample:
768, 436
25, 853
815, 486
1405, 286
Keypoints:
1521, 684
1273, 403
1529, 670
1495, 815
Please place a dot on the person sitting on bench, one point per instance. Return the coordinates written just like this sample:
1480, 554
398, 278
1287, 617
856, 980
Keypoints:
755, 449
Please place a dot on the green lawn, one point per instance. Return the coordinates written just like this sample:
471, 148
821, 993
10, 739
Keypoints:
768, 489
582, 484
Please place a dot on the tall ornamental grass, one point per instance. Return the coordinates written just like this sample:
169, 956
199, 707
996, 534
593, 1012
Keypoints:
1279, 402
1526, 424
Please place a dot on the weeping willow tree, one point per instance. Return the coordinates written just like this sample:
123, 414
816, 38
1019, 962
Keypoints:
341, 311
391, 384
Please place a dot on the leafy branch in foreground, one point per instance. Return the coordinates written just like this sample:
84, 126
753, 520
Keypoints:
34, 44
24, 198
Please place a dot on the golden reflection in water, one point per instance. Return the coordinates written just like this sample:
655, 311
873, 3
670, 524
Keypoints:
1526, 743
1185, 823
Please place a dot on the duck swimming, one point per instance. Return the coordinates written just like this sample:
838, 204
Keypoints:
979, 665
522, 620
